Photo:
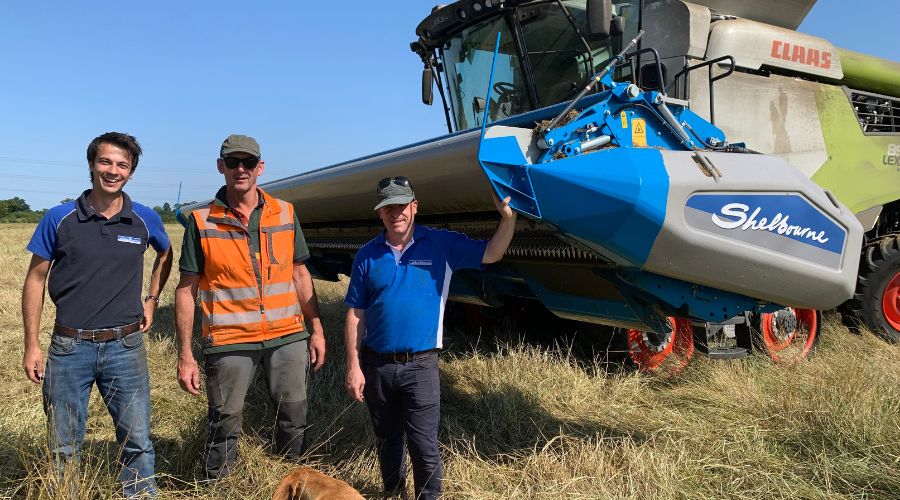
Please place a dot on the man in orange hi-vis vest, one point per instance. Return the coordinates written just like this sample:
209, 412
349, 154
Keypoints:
245, 254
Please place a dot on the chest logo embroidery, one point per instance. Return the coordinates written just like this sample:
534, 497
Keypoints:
420, 262
134, 240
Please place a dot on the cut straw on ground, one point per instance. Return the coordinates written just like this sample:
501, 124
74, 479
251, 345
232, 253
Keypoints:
519, 420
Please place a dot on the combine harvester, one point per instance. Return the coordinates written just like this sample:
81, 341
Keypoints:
638, 210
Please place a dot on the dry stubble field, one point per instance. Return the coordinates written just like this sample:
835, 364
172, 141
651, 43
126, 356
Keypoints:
518, 420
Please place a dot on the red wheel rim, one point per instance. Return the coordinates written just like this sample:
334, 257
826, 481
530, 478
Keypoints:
652, 353
890, 302
776, 339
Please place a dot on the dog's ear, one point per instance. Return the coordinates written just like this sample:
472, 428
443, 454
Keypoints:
287, 490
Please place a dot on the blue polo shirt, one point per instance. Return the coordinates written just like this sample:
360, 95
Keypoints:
404, 301
97, 264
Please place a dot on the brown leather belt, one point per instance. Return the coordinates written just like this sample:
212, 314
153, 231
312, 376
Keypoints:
397, 357
100, 335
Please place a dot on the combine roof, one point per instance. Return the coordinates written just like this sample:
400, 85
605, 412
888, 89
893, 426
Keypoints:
447, 20
785, 13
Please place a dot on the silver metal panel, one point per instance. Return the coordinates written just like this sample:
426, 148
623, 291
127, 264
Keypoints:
784, 13
775, 115
869, 217
684, 252
524, 137
444, 173
754, 45
700, 19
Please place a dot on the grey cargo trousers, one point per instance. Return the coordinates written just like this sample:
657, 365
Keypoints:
228, 377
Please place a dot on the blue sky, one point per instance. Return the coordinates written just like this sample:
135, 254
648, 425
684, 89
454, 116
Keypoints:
315, 86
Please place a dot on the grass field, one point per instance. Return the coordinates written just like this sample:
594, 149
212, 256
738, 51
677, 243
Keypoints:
518, 420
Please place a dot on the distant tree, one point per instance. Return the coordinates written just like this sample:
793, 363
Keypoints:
167, 212
17, 210
13, 206
65, 200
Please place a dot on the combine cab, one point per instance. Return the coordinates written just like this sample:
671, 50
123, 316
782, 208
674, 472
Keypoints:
692, 179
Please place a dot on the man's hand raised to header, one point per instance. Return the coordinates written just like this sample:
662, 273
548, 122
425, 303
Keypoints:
499, 242
506, 212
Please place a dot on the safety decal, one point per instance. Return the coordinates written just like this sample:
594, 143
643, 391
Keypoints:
624, 119
639, 132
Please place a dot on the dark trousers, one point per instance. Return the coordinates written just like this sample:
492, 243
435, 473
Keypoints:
405, 398
228, 377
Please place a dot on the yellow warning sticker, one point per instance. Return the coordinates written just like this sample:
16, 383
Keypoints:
624, 120
639, 133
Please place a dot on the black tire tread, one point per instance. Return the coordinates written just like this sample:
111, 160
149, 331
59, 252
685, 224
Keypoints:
879, 256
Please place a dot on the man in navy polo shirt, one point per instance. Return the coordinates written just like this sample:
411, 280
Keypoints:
96, 246
398, 290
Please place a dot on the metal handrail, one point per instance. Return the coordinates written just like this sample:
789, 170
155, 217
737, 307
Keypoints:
684, 72
635, 73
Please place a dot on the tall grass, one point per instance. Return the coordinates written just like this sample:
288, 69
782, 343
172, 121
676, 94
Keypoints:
519, 420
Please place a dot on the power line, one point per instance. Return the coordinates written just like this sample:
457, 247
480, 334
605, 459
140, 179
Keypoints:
41, 162
141, 183
145, 200
38, 191
35, 161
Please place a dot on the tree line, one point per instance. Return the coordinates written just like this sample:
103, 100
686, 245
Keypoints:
17, 210
167, 212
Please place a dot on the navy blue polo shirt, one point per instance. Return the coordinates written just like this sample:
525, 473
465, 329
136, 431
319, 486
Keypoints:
97, 264
404, 301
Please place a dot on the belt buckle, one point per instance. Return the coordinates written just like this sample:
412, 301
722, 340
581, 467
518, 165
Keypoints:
94, 336
403, 357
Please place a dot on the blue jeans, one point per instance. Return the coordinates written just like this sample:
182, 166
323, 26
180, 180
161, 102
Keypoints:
405, 399
119, 368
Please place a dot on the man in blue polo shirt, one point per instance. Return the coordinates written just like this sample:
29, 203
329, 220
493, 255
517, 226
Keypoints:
398, 290
96, 246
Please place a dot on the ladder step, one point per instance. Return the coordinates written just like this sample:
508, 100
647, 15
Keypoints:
728, 353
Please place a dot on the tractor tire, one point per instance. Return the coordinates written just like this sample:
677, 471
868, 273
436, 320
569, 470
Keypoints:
787, 336
877, 299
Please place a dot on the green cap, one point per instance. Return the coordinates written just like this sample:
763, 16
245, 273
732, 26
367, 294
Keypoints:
393, 191
237, 143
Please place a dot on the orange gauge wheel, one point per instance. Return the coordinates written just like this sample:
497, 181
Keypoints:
662, 353
788, 335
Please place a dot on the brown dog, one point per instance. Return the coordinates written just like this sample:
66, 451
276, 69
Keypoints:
309, 484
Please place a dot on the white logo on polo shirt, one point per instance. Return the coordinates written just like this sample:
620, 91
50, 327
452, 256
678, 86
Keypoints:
420, 262
130, 239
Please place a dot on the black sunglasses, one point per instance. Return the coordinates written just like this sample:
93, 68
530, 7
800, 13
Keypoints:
399, 181
232, 162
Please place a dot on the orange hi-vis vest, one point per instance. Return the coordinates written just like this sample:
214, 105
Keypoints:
246, 297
